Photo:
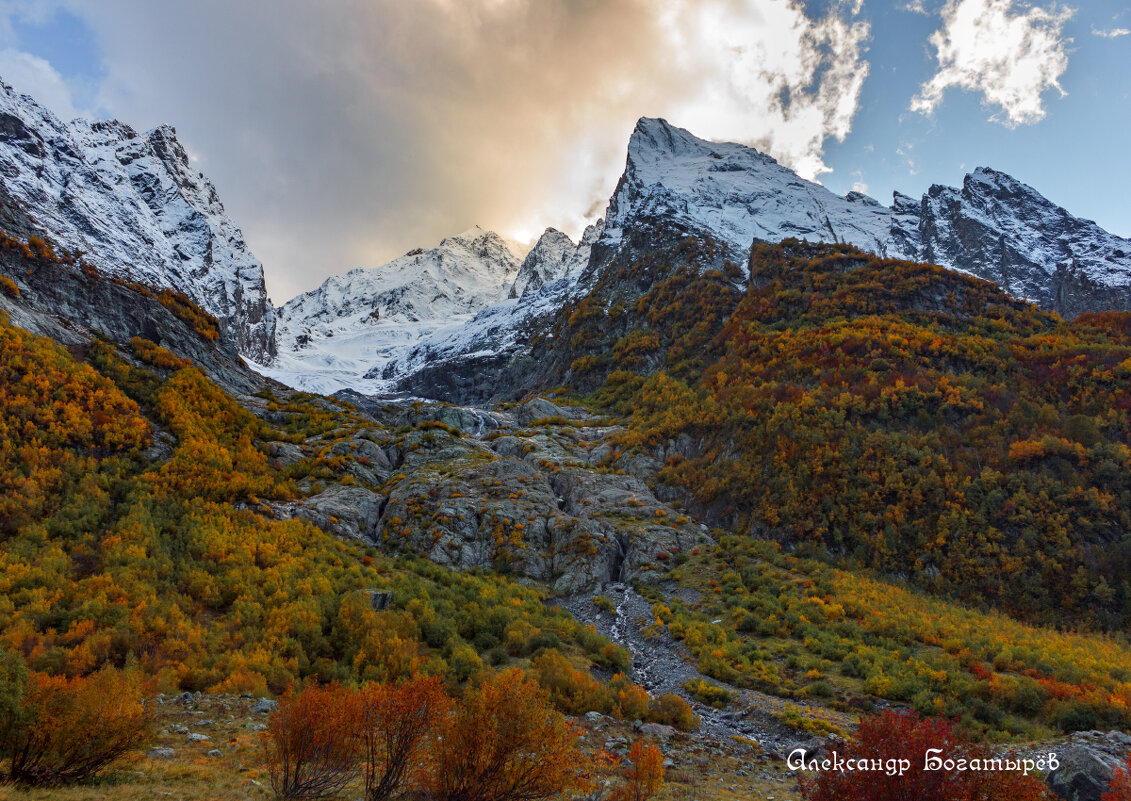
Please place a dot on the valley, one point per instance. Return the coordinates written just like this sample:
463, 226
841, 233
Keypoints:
745, 469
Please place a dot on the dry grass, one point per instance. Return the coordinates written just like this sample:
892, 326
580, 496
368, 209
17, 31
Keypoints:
704, 769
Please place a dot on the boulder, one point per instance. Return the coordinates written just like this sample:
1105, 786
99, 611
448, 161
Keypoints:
264, 706
1087, 763
540, 409
379, 599
657, 730
346, 511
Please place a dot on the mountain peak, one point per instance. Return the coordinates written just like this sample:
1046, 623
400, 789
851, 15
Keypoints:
657, 134
733, 193
138, 211
553, 257
486, 243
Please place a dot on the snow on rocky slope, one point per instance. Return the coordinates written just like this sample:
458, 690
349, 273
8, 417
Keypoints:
552, 273
134, 205
1003, 230
344, 333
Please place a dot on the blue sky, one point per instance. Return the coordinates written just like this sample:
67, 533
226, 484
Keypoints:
1078, 155
341, 134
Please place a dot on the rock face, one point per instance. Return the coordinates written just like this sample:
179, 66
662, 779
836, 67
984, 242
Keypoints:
525, 492
1000, 229
73, 306
133, 204
1087, 763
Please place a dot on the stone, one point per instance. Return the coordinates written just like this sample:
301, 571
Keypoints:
657, 730
215, 752
160, 753
379, 599
1086, 766
264, 706
194, 737
346, 511
537, 409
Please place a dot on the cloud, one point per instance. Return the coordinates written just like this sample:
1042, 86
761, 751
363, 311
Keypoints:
34, 76
1110, 33
343, 134
1011, 56
766, 74
915, 7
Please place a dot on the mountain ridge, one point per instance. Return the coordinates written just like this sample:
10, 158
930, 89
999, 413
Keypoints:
677, 185
474, 302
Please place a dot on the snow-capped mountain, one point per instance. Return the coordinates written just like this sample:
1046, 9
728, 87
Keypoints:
994, 226
343, 334
132, 203
733, 193
1000, 229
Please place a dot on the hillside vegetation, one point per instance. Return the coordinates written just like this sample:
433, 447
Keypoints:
132, 532
888, 415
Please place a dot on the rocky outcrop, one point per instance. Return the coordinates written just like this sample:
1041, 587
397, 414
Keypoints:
134, 205
1000, 229
73, 306
1087, 763
525, 492
527, 501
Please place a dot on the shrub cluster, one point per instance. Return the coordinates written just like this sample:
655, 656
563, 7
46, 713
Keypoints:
55, 730
500, 741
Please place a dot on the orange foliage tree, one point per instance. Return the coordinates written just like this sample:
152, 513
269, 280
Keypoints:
644, 776
504, 742
397, 722
312, 744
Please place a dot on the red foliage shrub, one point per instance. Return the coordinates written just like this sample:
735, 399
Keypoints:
312, 743
890, 737
55, 730
1120, 787
505, 742
397, 724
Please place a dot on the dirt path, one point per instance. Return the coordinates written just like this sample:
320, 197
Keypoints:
663, 665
